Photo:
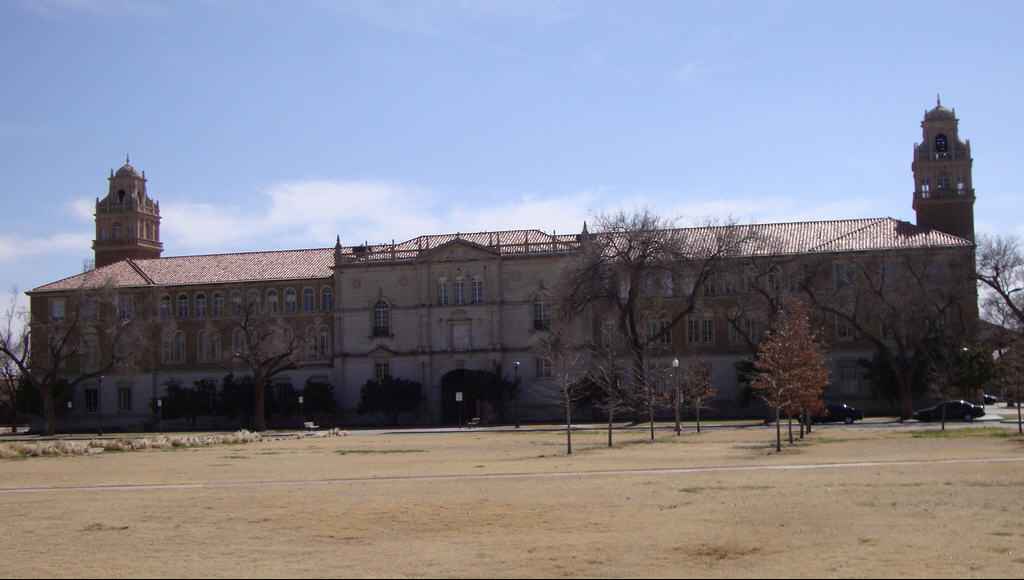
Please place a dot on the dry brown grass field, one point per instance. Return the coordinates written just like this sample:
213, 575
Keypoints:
850, 502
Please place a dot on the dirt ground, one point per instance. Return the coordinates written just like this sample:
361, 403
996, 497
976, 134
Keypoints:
852, 502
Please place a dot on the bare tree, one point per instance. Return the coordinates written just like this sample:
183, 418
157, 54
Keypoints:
95, 333
1010, 376
790, 361
638, 268
9, 374
556, 349
897, 303
268, 348
1000, 272
607, 374
696, 387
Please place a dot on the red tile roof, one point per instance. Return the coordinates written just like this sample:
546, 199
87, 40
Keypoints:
821, 237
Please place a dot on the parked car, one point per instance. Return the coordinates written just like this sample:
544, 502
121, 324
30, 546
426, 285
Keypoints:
839, 413
990, 399
955, 411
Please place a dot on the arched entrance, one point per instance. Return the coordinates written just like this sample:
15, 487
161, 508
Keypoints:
483, 396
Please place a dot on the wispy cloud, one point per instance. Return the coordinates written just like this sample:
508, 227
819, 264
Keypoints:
14, 248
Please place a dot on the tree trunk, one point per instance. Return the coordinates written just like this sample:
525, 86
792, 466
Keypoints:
1020, 420
259, 412
679, 429
650, 411
778, 430
698, 414
49, 409
803, 420
568, 425
906, 395
943, 416
611, 420
791, 429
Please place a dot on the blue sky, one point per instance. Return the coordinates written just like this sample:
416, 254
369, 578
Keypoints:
266, 125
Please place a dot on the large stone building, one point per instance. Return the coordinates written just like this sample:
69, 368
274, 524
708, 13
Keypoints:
424, 307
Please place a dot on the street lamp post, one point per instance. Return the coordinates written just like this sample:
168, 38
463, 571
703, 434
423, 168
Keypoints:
515, 365
302, 407
678, 402
159, 413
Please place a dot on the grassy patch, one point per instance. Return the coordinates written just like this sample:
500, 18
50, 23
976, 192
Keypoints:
967, 433
377, 451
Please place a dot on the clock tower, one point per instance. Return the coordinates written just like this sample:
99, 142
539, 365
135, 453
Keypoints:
127, 220
943, 187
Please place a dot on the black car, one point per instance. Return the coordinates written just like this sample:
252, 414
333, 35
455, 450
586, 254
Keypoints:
955, 411
990, 399
840, 413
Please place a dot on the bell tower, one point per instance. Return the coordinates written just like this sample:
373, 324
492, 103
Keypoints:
127, 220
943, 186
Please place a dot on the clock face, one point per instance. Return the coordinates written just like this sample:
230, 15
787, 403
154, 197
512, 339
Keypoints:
941, 144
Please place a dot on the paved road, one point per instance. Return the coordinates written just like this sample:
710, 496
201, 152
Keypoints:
655, 472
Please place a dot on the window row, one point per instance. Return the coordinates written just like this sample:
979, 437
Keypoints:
271, 302
209, 347
458, 295
92, 400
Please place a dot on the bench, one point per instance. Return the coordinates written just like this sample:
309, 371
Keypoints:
474, 422
310, 426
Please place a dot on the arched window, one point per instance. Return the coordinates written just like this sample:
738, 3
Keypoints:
324, 344
167, 348
327, 299
238, 346
202, 346
236, 303
182, 306
200, 305
165, 307
116, 231
179, 347
218, 305
382, 319
252, 302
308, 300
273, 306
291, 304
311, 350
941, 143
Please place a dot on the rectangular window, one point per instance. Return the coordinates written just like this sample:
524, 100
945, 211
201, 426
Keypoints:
57, 308
843, 329
541, 316
308, 301
460, 292
124, 399
381, 371
478, 292
707, 331
92, 400
543, 368
218, 305
842, 276
692, 331
658, 332
442, 293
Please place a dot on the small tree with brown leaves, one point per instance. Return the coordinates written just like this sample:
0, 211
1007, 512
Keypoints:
791, 364
696, 387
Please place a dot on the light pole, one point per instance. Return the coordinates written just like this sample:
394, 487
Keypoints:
302, 408
515, 399
159, 413
675, 381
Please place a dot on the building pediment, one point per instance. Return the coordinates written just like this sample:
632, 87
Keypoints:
457, 250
